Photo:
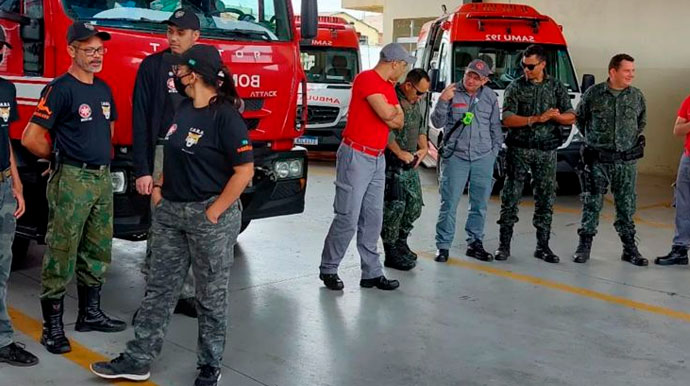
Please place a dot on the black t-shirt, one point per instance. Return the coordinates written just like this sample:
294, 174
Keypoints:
172, 97
78, 115
8, 114
201, 148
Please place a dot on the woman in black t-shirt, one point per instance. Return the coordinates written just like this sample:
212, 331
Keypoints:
207, 164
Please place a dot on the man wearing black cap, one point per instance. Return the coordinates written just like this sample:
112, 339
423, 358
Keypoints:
11, 208
77, 110
155, 101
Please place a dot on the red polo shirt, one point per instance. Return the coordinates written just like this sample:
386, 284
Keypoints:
684, 112
363, 124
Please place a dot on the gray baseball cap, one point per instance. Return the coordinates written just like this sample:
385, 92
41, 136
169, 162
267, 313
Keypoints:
394, 52
479, 67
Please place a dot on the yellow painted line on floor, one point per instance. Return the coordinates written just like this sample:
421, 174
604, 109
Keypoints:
554, 285
80, 354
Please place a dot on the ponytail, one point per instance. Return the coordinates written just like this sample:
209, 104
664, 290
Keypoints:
225, 86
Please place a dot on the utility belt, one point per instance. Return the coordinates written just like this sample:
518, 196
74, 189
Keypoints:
547, 145
5, 174
590, 155
395, 163
83, 165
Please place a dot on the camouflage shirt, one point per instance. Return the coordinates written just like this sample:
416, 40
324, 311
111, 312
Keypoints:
526, 98
610, 122
413, 127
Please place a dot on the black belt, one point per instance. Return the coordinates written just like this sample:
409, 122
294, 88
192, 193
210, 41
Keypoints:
83, 165
160, 141
552, 144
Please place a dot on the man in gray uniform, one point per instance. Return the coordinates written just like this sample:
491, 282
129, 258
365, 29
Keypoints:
360, 170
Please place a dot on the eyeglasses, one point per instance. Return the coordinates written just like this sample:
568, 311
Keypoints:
419, 93
92, 51
530, 67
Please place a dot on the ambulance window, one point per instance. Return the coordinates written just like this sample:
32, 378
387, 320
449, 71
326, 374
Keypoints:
329, 65
443, 64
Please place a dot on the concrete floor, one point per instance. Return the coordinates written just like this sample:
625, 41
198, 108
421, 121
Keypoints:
519, 322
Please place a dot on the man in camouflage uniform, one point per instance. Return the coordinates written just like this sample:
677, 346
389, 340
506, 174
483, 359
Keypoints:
77, 110
535, 107
611, 116
403, 192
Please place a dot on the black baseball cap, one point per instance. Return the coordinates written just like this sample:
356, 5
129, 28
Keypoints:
201, 58
185, 19
81, 30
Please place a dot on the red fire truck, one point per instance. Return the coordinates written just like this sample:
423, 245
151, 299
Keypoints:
331, 61
497, 33
258, 42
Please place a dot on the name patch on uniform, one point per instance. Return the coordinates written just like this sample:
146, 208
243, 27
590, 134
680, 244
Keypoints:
244, 148
5, 111
85, 112
105, 106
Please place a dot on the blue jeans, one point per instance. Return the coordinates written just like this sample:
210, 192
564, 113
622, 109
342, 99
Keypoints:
455, 173
7, 226
682, 200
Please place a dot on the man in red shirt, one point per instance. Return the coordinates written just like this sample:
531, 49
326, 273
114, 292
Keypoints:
681, 240
360, 170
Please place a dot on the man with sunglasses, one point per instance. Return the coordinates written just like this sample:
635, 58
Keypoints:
77, 112
470, 117
406, 149
611, 115
535, 107
154, 103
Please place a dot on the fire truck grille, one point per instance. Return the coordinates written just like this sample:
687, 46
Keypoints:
285, 190
252, 123
253, 104
322, 114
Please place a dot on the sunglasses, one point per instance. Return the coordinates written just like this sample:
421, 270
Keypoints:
419, 93
530, 67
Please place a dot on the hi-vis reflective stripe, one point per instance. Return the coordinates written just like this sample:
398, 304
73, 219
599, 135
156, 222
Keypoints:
28, 88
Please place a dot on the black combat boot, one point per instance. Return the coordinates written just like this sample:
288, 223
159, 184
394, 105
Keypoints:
396, 259
441, 255
476, 249
630, 252
503, 251
402, 246
53, 336
543, 251
584, 248
91, 317
677, 256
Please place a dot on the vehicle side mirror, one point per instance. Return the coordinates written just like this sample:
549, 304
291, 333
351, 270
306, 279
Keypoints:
436, 84
587, 82
309, 19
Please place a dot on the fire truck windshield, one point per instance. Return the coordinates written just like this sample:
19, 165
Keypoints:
504, 59
263, 20
329, 65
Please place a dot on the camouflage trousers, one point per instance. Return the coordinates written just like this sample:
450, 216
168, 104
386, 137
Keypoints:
542, 165
188, 286
399, 215
80, 229
7, 226
621, 176
184, 237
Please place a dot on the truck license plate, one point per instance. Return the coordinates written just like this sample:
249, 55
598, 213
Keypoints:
306, 140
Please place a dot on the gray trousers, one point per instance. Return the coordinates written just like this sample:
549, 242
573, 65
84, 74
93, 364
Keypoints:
7, 226
185, 238
682, 200
358, 206
188, 286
